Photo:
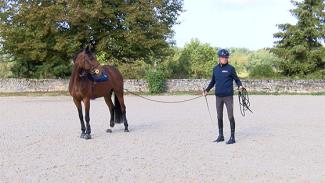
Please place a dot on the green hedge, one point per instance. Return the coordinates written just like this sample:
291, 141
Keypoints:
156, 81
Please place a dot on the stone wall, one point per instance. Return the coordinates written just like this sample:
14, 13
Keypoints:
173, 85
287, 86
33, 85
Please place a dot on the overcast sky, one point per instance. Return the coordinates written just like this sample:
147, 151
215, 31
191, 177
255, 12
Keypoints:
232, 23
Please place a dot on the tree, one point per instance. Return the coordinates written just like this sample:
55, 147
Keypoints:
43, 35
239, 58
199, 58
300, 45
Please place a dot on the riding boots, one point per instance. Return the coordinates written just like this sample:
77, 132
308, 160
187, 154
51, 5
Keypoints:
232, 128
220, 126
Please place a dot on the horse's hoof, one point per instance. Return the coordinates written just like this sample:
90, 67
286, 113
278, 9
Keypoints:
126, 130
108, 131
112, 124
82, 135
87, 136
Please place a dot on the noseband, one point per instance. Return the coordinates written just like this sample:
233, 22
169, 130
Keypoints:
92, 71
93, 67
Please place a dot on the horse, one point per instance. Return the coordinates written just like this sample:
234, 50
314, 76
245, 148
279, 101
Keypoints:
82, 89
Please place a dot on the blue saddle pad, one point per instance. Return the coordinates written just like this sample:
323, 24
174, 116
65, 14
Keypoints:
98, 78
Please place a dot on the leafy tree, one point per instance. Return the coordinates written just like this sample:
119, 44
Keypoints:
262, 71
177, 65
239, 51
199, 58
239, 58
300, 45
6, 63
172, 66
43, 35
262, 57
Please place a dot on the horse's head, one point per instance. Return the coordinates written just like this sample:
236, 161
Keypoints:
87, 62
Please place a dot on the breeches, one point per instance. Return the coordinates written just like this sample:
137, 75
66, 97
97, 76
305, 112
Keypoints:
229, 101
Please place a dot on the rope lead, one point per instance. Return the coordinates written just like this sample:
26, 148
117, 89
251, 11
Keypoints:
244, 103
160, 101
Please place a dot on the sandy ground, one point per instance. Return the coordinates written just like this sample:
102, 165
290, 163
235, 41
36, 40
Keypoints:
283, 141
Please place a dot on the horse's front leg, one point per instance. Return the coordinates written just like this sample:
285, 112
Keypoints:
87, 118
79, 108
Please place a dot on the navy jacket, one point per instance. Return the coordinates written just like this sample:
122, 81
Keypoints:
222, 80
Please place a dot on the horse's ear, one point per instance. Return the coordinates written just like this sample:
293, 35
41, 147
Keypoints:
88, 48
88, 51
74, 57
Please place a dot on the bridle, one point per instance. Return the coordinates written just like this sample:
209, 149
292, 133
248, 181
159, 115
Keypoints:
93, 67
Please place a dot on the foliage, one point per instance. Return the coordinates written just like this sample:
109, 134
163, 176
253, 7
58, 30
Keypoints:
262, 71
239, 51
300, 45
5, 69
175, 66
134, 70
262, 64
202, 58
43, 35
195, 60
129, 70
156, 80
6, 63
262, 56
239, 58
320, 74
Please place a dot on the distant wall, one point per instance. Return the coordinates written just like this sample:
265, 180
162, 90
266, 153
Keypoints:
172, 85
33, 85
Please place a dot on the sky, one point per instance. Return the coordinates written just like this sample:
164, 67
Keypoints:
232, 23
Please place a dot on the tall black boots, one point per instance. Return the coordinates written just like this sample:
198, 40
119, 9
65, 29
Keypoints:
220, 137
232, 129
220, 126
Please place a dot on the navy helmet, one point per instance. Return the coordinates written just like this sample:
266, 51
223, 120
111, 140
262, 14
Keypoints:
223, 53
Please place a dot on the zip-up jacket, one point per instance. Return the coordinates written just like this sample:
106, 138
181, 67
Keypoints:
222, 79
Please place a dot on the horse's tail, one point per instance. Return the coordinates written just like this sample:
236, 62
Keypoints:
117, 110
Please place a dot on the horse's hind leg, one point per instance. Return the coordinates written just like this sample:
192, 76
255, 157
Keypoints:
123, 109
79, 108
87, 118
110, 105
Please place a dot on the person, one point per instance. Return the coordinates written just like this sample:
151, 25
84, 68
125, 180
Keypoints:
222, 80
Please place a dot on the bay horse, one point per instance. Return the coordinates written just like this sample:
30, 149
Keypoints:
82, 89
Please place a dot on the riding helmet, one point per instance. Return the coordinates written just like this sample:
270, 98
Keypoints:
223, 53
